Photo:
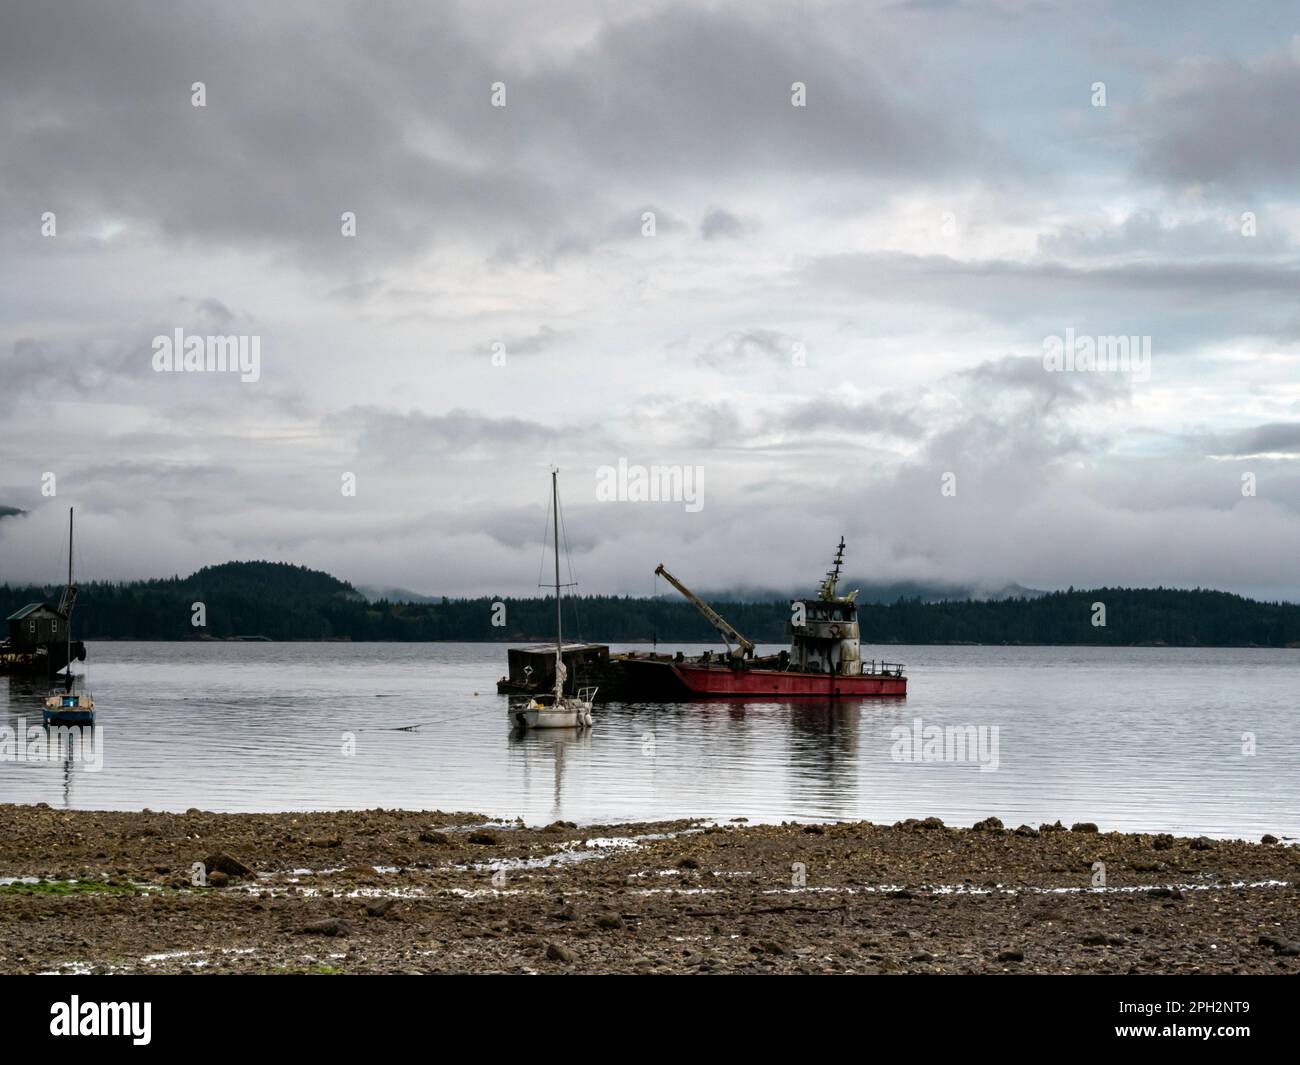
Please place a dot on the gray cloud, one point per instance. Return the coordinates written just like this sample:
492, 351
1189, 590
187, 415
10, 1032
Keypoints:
422, 159
1221, 121
776, 226
1145, 235
545, 337
385, 434
719, 224
1024, 374
767, 345
891, 415
1275, 438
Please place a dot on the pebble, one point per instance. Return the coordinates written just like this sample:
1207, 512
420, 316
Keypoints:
332, 926
559, 952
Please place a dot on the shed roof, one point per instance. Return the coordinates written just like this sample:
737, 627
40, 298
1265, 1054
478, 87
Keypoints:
31, 608
549, 648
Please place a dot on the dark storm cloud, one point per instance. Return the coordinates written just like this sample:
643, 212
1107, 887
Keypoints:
387, 434
1013, 427
34, 369
988, 283
1274, 438
891, 415
718, 224
1024, 374
111, 365
1224, 122
302, 124
684, 90
1181, 305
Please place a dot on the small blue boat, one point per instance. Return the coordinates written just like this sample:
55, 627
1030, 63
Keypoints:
69, 708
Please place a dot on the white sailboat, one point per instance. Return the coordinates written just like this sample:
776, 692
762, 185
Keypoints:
557, 710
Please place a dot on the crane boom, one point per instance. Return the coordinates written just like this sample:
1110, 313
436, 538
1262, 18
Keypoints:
720, 623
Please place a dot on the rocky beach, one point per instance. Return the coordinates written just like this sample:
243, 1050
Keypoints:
409, 892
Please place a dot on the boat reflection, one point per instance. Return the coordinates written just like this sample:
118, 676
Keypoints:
541, 750
52, 746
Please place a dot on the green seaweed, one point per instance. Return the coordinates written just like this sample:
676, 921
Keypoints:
65, 888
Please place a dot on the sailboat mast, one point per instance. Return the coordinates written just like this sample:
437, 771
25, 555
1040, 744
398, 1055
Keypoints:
68, 620
559, 641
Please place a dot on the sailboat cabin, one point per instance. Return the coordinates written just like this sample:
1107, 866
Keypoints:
36, 623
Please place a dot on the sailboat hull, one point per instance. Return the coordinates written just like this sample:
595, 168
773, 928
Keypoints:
573, 714
64, 717
549, 719
63, 709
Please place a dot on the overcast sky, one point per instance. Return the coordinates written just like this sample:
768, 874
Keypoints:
841, 302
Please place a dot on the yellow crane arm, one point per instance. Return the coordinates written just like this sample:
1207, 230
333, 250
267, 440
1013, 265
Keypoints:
720, 623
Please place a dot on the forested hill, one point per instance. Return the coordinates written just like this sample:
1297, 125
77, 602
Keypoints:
284, 602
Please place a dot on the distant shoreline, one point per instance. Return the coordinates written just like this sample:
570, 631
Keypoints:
252, 600
528, 641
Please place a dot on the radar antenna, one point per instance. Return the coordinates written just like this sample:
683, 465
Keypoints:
833, 574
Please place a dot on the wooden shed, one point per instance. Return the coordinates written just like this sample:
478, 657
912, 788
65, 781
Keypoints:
35, 624
533, 668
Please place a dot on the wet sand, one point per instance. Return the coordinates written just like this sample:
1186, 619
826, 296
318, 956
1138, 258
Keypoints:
402, 892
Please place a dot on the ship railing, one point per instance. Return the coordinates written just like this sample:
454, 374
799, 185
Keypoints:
883, 668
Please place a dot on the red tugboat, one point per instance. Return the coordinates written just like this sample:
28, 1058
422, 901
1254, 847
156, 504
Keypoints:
824, 659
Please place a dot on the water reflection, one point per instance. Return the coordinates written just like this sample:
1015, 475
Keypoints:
539, 753
28, 743
1156, 747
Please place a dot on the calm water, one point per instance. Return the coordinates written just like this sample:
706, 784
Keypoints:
1146, 739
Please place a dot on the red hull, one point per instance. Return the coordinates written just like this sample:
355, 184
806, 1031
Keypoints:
722, 680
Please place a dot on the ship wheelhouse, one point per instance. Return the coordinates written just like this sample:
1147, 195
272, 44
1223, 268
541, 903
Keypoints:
824, 634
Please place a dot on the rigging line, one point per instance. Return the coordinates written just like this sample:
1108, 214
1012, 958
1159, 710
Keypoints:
546, 535
400, 728
573, 577
654, 614
61, 567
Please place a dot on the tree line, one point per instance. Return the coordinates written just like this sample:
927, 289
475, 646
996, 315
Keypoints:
280, 601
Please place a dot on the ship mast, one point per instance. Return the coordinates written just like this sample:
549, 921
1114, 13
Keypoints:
833, 574
70, 595
559, 641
